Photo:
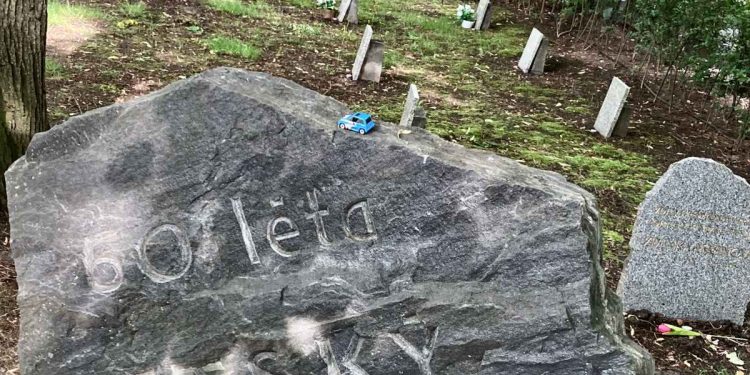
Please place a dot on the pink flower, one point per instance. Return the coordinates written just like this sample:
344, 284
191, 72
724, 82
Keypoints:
663, 328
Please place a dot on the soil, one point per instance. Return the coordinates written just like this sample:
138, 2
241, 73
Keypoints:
8, 308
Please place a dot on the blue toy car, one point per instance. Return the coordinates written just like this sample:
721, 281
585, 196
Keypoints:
359, 122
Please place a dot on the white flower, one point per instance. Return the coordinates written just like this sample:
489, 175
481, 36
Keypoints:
463, 11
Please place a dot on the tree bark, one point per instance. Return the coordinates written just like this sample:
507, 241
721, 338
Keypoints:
23, 107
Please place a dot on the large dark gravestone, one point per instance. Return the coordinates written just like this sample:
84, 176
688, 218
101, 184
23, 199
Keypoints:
224, 225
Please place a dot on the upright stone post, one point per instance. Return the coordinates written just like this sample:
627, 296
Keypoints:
412, 101
613, 116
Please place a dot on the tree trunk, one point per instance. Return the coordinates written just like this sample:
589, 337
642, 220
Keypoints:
23, 107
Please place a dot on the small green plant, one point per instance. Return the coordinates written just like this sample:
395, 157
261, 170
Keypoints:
195, 29
62, 14
127, 23
256, 9
53, 69
223, 45
326, 4
304, 29
133, 10
464, 12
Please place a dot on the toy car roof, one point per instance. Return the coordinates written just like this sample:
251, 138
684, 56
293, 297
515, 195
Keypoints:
361, 114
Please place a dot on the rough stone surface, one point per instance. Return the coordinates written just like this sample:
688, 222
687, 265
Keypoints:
224, 225
530, 50
484, 15
420, 118
690, 256
348, 12
540, 59
609, 114
374, 58
364, 45
623, 123
410, 106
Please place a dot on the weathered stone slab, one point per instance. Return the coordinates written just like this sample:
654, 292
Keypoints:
531, 52
348, 10
224, 225
359, 60
420, 118
484, 15
374, 58
537, 67
412, 101
690, 255
623, 123
609, 114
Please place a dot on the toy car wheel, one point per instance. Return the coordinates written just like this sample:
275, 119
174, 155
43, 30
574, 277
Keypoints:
342, 126
362, 131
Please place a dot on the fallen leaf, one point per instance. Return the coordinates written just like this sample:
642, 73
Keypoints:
734, 359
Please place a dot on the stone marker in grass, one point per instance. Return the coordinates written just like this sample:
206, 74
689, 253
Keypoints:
484, 15
410, 106
224, 225
348, 11
614, 115
368, 64
690, 249
534, 54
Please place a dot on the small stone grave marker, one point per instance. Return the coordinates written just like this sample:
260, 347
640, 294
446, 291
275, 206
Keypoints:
368, 64
348, 11
420, 118
484, 15
534, 53
690, 249
410, 106
613, 118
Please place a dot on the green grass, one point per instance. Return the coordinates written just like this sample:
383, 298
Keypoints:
223, 45
301, 29
256, 9
133, 10
61, 14
53, 69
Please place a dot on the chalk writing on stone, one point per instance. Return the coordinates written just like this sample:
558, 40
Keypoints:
106, 274
364, 208
316, 216
421, 357
247, 235
274, 237
186, 255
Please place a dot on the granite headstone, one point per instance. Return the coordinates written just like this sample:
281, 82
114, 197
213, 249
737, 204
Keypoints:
348, 12
410, 106
374, 58
359, 59
484, 15
609, 119
534, 54
690, 250
224, 225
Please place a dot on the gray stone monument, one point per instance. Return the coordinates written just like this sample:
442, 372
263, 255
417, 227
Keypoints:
368, 64
374, 58
690, 254
484, 15
224, 225
348, 11
534, 53
420, 118
610, 119
410, 106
